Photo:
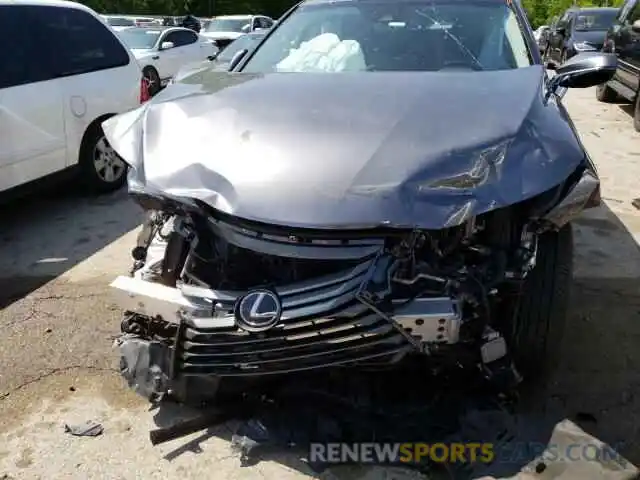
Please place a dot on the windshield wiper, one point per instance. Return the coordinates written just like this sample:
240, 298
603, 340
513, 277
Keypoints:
459, 43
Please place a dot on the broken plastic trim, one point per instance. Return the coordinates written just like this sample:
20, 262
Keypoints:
586, 192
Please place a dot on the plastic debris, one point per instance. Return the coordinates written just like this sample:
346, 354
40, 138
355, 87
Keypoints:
87, 429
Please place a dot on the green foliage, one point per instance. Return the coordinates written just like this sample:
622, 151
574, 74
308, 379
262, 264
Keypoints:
205, 8
543, 12
540, 12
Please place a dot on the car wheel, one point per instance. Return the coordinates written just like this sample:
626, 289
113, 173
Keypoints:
540, 311
604, 93
102, 170
636, 113
153, 80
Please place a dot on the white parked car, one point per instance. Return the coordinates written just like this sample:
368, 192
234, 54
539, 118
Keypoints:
225, 29
143, 21
62, 77
537, 33
118, 23
162, 51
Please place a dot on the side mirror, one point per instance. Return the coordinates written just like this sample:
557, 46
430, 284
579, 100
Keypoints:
635, 26
236, 59
167, 45
583, 71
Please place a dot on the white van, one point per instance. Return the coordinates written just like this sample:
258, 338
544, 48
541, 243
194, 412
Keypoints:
62, 73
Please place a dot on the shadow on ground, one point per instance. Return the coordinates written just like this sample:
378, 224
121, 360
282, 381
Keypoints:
597, 384
44, 235
599, 374
626, 107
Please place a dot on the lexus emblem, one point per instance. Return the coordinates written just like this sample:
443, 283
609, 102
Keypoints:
258, 311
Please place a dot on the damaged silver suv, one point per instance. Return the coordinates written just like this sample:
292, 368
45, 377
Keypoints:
380, 180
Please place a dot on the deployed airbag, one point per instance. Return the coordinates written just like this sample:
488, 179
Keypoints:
324, 53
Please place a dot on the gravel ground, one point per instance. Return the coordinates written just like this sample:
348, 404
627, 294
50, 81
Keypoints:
59, 252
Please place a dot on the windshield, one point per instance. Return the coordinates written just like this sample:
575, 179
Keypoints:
386, 35
139, 37
120, 22
245, 41
228, 25
595, 20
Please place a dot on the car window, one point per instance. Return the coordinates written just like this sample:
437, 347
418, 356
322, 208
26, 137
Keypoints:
595, 20
79, 42
264, 22
181, 38
425, 35
624, 10
187, 37
563, 21
633, 15
26, 61
171, 37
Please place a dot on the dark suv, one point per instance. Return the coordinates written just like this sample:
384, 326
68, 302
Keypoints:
623, 39
578, 30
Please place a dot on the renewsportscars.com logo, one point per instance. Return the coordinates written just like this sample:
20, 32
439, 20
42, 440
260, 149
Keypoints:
393, 453
380, 453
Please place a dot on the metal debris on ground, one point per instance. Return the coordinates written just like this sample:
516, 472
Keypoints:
405, 406
87, 429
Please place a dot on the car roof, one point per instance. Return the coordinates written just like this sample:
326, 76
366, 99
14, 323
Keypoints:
600, 9
239, 17
593, 9
47, 3
158, 28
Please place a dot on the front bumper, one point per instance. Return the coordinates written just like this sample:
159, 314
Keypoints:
324, 323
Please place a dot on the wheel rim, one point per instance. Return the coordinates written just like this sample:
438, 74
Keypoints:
109, 166
153, 83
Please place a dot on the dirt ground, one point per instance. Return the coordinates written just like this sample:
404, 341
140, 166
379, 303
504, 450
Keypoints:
59, 252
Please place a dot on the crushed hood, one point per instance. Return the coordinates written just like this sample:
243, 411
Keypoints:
352, 150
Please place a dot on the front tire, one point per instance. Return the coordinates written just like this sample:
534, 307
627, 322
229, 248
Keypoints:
101, 169
535, 334
636, 113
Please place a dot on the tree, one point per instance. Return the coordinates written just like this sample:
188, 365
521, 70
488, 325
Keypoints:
541, 12
205, 8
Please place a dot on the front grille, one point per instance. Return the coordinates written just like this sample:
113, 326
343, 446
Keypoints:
323, 324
